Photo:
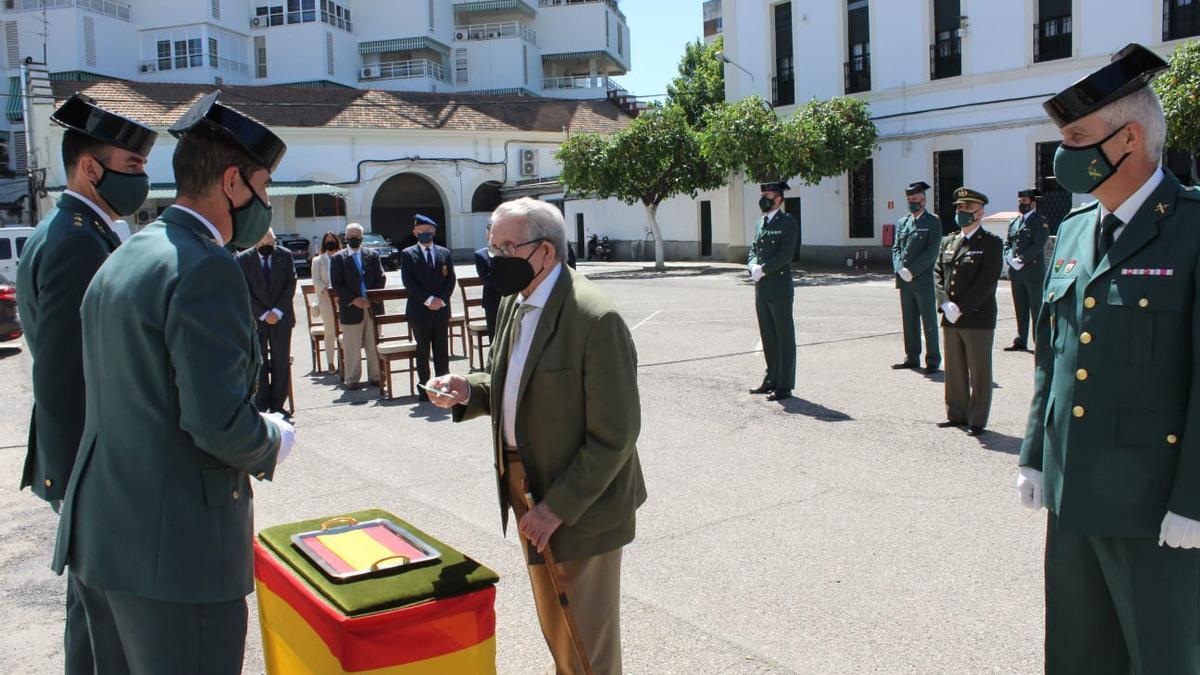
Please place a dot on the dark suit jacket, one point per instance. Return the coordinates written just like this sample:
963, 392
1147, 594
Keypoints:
159, 504
773, 248
491, 296
59, 261
343, 274
283, 284
1027, 240
422, 281
966, 274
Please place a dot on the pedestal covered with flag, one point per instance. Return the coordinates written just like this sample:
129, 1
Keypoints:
434, 619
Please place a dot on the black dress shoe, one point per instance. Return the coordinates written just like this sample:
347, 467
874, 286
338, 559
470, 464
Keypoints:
975, 431
904, 366
929, 370
949, 423
1016, 346
780, 394
764, 389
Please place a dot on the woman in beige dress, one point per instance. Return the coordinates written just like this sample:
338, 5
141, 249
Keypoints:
330, 244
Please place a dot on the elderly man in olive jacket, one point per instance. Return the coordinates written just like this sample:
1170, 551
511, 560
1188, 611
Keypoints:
562, 393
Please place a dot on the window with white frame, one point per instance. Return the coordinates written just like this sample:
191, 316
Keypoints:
286, 12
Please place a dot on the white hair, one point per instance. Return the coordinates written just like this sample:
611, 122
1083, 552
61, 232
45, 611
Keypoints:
542, 221
1143, 107
354, 226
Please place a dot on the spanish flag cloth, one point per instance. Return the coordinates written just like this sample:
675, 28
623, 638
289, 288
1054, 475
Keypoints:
429, 620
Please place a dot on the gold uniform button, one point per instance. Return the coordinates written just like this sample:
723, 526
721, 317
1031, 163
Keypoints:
49, 482
1081, 374
1172, 439
1085, 338
1078, 411
1089, 302
236, 494
1144, 303
1050, 296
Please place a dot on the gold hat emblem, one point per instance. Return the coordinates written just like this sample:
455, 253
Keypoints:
1092, 169
1161, 208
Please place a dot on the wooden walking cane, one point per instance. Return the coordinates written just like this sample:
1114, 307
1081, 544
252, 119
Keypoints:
557, 582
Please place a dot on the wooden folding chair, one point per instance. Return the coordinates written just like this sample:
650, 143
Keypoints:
316, 328
458, 326
393, 339
474, 321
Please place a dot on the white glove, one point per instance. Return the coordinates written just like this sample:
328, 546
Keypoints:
952, 312
287, 435
1029, 486
906, 275
756, 273
1015, 263
1179, 532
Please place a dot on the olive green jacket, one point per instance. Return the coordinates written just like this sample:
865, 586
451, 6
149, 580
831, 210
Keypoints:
159, 504
916, 247
59, 260
1027, 240
578, 416
774, 247
1115, 421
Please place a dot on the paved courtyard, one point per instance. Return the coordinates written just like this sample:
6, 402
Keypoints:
838, 532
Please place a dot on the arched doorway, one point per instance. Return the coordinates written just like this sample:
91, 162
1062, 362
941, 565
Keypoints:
486, 198
399, 199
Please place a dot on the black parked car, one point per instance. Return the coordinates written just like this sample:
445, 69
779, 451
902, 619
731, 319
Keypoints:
10, 323
388, 255
298, 245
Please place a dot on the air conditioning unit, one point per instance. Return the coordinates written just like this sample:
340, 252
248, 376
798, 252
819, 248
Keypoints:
144, 216
369, 72
460, 35
529, 163
257, 22
149, 68
492, 35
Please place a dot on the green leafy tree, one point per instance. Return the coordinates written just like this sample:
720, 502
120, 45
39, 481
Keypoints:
1179, 89
656, 157
700, 84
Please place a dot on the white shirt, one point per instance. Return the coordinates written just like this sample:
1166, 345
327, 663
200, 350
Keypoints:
1025, 217
520, 352
216, 234
769, 215
1129, 208
972, 233
92, 205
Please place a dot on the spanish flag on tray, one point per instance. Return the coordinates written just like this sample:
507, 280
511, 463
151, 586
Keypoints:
318, 618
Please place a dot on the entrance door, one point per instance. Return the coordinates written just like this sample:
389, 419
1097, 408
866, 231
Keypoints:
579, 253
705, 229
399, 199
947, 177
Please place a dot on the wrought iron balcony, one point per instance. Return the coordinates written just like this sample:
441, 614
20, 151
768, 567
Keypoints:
858, 74
945, 58
1052, 39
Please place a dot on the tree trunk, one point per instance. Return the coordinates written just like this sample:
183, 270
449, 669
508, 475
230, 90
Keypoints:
651, 215
1196, 168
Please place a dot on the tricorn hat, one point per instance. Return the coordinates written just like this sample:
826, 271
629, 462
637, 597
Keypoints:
1131, 69
779, 186
1029, 193
259, 142
80, 113
916, 188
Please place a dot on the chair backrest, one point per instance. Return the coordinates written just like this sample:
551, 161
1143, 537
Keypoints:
308, 292
393, 314
333, 322
474, 298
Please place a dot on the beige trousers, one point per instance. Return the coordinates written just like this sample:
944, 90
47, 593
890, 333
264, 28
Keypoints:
968, 355
326, 306
356, 337
593, 587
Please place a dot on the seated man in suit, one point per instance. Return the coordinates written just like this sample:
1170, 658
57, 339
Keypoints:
354, 271
491, 297
271, 277
428, 273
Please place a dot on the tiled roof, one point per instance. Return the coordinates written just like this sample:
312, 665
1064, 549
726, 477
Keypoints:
160, 104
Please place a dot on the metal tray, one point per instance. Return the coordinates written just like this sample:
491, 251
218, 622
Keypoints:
384, 566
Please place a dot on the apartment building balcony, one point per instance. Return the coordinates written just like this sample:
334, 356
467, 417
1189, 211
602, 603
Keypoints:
567, 3
194, 62
117, 10
597, 84
945, 58
501, 30
1052, 39
858, 74
485, 7
411, 69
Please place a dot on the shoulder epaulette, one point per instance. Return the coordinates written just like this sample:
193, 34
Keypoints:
1080, 209
1191, 193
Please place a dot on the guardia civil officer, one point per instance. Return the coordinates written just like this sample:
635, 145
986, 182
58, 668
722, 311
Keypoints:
104, 155
157, 524
1112, 447
1025, 253
967, 271
914, 251
770, 266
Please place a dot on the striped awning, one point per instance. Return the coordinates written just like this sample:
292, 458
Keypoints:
402, 45
495, 5
578, 56
13, 108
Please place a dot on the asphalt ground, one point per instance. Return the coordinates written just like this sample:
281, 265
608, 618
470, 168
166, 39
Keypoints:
837, 532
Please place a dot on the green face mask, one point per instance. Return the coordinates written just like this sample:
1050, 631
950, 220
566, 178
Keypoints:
1081, 170
250, 220
913, 207
123, 192
964, 219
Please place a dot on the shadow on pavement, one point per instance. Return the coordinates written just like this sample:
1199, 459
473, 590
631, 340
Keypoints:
672, 272
6, 352
428, 411
799, 406
997, 442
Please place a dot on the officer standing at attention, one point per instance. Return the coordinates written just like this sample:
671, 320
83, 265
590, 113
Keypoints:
1025, 252
967, 272
1112, 447
914, 252
157, 524
104, 155
770, 267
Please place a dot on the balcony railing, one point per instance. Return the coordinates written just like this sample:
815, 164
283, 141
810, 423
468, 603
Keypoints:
559, 3
1180, 20
117, 10
858, 74
945, 58
783, 87
496, 31
403, 70
579, 82
193, 61
1052, 39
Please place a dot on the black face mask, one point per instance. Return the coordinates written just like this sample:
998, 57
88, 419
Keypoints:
353, 242
766, 204
1023, 208
331, 246
513, 274
266, 249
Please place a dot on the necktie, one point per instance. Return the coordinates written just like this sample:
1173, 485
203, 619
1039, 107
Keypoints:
428, 257
1108, 226
362, 282
518, 318
266, 269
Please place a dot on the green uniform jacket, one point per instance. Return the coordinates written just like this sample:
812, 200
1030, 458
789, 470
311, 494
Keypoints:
1115, 421
1027, 240
966, 274
916, 247
59, 260
159, 505
578, 416
774, 247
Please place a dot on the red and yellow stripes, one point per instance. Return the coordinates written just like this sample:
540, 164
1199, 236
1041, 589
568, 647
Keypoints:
303, 634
